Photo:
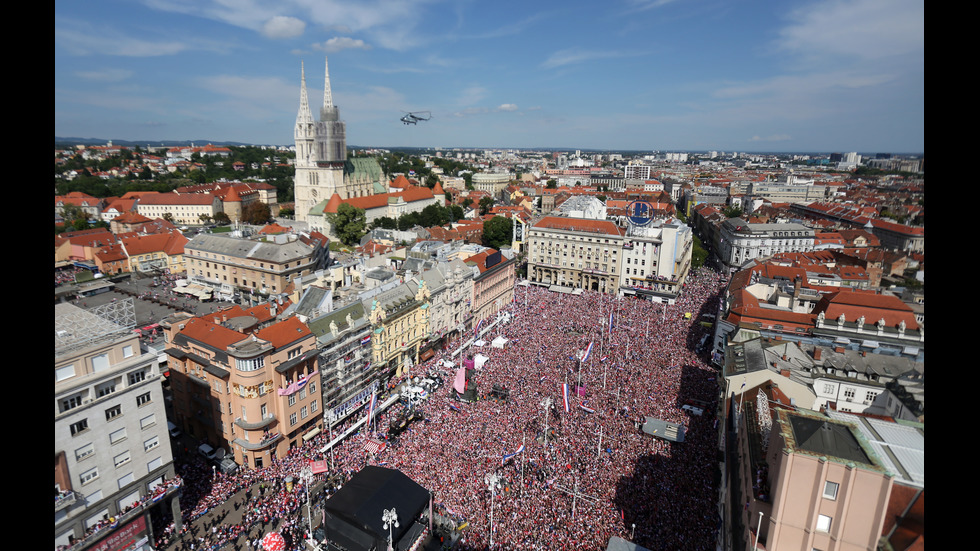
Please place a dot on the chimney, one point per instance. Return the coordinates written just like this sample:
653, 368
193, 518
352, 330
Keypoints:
784, 373
864, 353
817, 352
784, 357
839, 349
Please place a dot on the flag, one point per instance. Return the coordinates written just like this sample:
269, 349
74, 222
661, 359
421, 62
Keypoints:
366, 339
374, 398
610, 321
604, 358
509, 455
564, 393
586, 408
588, 352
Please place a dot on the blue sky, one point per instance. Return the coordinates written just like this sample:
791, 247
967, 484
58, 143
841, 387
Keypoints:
672, 75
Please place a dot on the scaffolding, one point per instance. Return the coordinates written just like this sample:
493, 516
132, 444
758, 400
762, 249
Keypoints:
77, 328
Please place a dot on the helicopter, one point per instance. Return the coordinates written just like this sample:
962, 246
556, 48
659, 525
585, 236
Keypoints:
415, 117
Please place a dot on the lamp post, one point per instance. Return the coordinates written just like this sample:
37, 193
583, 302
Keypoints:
306, 475
546, 404
493, 482
390, 518
757, 529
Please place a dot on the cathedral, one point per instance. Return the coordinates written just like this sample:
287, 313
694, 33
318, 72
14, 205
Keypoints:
322, 166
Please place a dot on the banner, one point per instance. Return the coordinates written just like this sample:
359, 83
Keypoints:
459, 385
319, 466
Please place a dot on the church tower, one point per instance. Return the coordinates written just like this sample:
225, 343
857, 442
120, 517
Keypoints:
321, 152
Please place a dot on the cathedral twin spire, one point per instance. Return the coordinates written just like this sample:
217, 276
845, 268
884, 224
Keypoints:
305, 115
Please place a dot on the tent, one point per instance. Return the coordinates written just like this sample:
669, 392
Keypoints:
480, 342
499, 342
353, 516
479, 360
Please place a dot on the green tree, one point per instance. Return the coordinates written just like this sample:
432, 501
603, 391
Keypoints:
456, 213
486, 203
699, 255
256, 213
72, 213
552, 184
497, 232
221, 218
434, 215
348, 223
385, 222
732, 212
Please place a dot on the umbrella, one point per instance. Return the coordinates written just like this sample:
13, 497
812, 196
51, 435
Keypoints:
273, 542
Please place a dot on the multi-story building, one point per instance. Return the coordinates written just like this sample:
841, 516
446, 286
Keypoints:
493, 283
156, 252
808, 481
185, 208
451, 286
656, 259
740, 241
264, 266
492, 183
575, 252
254, 393
400, 320
112, 449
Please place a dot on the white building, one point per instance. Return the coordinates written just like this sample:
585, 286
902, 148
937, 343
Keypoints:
740, 241
111, 441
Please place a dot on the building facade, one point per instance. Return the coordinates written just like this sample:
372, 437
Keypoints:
255, 395
575, 252
112, 449
254, 266
740, 241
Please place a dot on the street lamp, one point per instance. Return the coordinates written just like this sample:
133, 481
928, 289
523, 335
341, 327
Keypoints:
390, 518
493, 483
306, 475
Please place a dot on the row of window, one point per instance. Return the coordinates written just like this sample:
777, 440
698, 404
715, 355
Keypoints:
81, 425
120, 460
104, 389
303, 413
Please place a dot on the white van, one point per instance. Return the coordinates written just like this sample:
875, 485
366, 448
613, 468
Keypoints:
174, 431
206, 451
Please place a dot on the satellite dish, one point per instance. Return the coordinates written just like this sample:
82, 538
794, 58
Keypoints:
220, 454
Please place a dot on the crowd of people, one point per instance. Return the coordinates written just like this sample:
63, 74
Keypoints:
596, 475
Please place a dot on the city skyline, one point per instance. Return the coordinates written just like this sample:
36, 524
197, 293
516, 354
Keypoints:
814, 76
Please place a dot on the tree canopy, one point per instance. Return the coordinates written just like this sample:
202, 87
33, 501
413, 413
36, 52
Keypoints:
497, 232
348, 223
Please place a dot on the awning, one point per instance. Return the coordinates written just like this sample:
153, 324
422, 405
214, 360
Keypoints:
311, 434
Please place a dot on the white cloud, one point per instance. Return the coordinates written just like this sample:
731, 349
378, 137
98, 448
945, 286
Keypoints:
773, 138
861, 29
282, 26
507, 107
574, 55
105, 75
339, 43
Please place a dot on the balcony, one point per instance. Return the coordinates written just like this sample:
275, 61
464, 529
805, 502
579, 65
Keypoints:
64, 499
265, 422
266, 442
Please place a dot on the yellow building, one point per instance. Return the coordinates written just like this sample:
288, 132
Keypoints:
400, 319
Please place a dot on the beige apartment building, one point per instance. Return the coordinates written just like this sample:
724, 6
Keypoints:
264, 266
575, 252
808, 482
252, 392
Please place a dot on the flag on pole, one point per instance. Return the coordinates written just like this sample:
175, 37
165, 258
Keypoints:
564, 394
509, 455
588, 352
366, 339
374, 398
586, 408
610, 321
477, 332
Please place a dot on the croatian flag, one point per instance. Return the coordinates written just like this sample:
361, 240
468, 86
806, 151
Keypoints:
610, 321
564, 394
604, 358
366, 339
478, 326
374, 398
588, 352
588, 409
509, 455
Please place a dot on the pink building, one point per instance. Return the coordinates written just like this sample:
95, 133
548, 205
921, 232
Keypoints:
814, 483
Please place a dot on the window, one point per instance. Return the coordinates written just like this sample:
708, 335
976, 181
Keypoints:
292, 419
100, 363
117, 436
137, 376
313, 407
151, 443
823, 523
121, 458
106, 389
85, 451
113, 412
89, 475
849, 393
125, 480
871, 396
828, 389
148, 421
292, 399
302, 412
127, 351
143, 399
62, 373
71, 402
79, 427
830, 489
250, 365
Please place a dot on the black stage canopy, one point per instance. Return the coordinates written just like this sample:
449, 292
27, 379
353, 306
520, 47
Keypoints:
353, 514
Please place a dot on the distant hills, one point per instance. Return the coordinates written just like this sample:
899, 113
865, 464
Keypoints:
69, 141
